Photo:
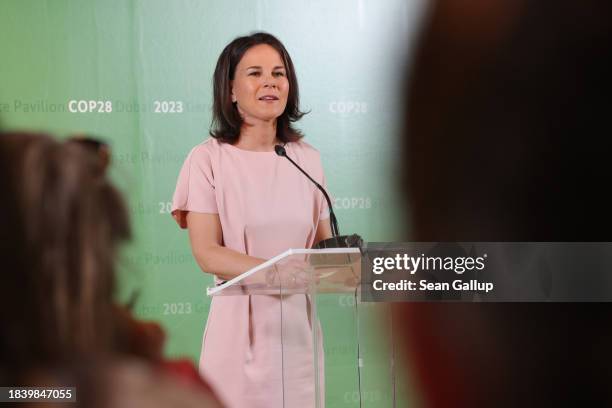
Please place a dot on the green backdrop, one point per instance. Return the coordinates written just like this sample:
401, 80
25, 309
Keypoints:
147, 65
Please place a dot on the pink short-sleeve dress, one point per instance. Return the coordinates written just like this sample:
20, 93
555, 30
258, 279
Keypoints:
265, 206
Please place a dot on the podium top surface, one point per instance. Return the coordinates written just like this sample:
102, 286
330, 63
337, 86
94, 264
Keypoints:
298, 271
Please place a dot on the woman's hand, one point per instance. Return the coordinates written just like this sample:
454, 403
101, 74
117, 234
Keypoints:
292, 273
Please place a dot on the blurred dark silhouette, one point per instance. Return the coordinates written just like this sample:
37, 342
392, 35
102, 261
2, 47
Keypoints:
507, 109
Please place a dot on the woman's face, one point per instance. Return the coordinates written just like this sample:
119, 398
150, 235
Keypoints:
260, 86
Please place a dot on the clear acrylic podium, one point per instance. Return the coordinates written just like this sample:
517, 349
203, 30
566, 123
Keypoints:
353, 364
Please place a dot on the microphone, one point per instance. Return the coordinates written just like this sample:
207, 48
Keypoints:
337, 240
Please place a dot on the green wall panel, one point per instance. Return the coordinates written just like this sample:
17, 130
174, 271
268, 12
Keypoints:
350, 58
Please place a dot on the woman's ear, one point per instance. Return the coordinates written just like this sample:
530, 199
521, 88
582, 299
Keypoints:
232, 91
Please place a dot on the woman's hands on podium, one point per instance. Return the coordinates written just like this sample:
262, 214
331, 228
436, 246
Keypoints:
292, 274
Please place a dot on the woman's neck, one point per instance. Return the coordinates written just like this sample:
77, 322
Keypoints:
259, 137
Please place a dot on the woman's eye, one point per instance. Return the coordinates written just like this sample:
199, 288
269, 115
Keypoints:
279, 74
254, 73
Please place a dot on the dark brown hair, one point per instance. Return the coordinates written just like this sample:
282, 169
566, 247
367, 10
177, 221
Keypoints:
66, 221
226, 122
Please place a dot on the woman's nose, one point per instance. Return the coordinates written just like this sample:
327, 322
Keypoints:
270, 81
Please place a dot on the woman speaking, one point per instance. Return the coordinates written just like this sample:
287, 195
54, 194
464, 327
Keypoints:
242, 205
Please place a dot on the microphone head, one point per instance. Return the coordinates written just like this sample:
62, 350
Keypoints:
341, 241
280, 150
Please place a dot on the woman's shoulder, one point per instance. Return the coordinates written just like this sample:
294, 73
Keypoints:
204, 150
304, 149
208, 145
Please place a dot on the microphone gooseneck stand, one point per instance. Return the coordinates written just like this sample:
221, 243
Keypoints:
337, 240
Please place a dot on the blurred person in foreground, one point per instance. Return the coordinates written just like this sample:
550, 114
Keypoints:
62, 223
508, 103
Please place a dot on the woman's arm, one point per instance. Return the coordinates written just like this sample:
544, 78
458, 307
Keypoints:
323, 231
206, 239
